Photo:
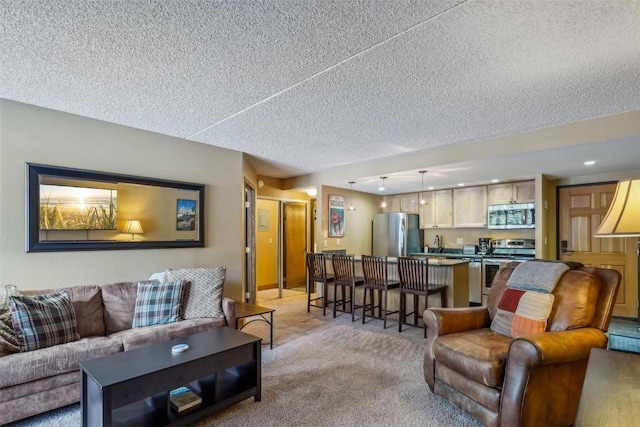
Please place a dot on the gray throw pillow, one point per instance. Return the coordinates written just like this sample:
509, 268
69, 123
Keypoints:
203, 293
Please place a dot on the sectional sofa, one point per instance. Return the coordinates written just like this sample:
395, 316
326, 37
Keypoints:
40, 380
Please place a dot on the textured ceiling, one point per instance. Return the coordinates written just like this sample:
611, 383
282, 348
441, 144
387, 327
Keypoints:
305, 86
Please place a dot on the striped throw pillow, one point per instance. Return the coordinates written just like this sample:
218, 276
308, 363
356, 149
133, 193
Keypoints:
158, 303
43, 320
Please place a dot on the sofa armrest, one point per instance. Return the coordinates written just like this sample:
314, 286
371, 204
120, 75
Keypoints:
229, 310
444, 321
550, 367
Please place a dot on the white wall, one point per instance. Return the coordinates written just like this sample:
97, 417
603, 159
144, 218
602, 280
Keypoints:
37, 135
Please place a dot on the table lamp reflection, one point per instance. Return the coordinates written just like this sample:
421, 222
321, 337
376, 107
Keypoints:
134, 227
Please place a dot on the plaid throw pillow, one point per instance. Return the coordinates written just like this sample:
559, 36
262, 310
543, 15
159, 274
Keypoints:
157, 303
44, 320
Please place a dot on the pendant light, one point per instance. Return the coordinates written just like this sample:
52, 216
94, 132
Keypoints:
351, 208
383, 204
422, 199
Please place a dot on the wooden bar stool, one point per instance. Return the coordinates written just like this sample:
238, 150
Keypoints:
344, 270
317, 273
414, 280
376, 278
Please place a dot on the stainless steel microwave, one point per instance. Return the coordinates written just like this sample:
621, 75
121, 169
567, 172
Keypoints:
515, 215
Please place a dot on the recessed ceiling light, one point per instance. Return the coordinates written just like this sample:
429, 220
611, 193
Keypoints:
590, 162
429, 188
461, 184
495, 180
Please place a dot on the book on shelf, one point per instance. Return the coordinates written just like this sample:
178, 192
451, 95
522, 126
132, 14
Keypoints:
183, 398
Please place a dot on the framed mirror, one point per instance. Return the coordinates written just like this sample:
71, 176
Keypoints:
77, 210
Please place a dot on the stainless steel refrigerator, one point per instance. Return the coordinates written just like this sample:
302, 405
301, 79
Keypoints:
396, 234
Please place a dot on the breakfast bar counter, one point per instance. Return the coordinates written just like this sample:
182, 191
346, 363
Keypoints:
453, 273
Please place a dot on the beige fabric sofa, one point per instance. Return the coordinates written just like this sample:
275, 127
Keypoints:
38, 381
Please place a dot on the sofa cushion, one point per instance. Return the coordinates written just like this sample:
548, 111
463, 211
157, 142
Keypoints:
8, 339
87, 303
119, 303
479, 354
138, 337
24, 367
44, 320
158, 303
203, 294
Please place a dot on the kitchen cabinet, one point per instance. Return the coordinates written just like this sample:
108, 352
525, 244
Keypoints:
511, 192
470, 207
392, 204
409, 203
437, 212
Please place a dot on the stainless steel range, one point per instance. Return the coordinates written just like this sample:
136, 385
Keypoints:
503, 252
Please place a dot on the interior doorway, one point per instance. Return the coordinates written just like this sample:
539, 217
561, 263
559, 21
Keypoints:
580, 212
281, 244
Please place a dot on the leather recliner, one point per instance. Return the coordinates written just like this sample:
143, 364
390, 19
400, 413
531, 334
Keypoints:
529, 380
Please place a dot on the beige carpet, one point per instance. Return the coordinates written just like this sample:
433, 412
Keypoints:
328, 372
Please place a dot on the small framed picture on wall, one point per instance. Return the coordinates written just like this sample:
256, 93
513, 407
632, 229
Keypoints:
186, 215
336, 216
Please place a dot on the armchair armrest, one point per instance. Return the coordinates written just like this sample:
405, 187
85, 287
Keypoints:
550, 366
229, 310
444, 321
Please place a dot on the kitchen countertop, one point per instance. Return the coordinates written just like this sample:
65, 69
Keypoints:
458, 255
442, 262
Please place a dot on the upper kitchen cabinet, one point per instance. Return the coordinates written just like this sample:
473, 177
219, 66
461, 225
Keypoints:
437, 212
512, 192
470, 207
409, 203
392, 204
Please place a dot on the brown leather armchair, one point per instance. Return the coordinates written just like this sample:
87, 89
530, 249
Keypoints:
530, 380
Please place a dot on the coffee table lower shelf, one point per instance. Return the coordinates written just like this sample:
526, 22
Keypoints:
223, 367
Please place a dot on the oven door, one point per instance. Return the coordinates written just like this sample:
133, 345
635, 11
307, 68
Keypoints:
490, 268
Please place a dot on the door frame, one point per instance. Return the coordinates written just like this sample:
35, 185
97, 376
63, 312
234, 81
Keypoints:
249, 270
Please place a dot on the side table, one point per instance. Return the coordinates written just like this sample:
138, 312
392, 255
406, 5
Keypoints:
611, 390
245, 310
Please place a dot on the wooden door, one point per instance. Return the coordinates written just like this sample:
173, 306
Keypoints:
295, 244
444, 208
580, 211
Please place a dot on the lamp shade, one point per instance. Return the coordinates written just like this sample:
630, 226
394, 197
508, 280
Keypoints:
133, 226
623, 217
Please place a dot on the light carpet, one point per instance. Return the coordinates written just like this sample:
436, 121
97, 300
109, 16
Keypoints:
327, 372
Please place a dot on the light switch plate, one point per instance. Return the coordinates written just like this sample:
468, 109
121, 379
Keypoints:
460, 240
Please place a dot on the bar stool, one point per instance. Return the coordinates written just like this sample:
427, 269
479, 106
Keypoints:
414, 280
317, 273
344, 271
376, 278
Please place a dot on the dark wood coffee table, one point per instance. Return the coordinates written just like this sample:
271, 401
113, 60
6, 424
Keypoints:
223, 366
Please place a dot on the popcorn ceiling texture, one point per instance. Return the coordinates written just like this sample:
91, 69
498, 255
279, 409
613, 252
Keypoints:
294, 82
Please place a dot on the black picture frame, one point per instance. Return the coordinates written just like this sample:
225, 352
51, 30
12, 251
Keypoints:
34, 172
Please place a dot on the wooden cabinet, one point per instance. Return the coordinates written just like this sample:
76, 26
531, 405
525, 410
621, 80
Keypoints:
392, 204
511, 192
409, 203
470, 207
437, 211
